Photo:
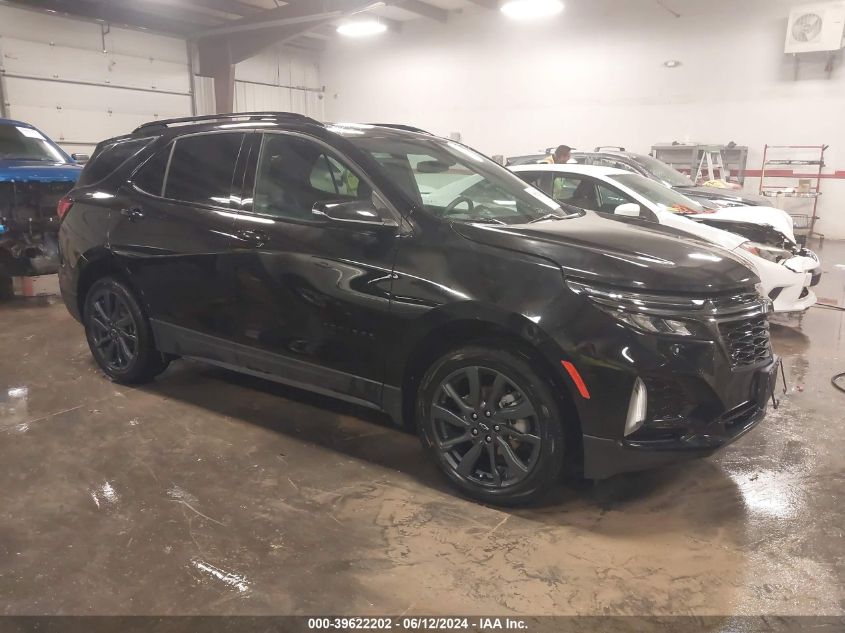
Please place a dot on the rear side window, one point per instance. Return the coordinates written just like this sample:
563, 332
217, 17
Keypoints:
202, 168
150, 178
111, 156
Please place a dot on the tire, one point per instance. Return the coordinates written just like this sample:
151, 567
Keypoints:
508, 468
119, 334
6, 288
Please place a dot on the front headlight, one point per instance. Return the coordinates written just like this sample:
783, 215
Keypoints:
650, 314
650, 324
769, 253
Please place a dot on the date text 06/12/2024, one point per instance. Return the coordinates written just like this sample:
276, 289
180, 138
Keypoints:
418, 624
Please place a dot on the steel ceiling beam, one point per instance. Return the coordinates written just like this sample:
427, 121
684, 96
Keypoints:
423, 9
487, 4
113, 14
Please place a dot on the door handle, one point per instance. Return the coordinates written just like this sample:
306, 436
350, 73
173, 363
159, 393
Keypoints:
254, 237
133, 214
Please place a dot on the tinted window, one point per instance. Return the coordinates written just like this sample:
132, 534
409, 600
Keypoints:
295, 173
202, 168
109, 157
150, 177
330, 176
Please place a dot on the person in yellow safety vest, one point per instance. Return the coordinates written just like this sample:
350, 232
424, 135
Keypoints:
561, 156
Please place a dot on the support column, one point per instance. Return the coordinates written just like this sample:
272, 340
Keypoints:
224, 88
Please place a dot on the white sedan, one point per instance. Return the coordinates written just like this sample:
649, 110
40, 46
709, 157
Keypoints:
786, 271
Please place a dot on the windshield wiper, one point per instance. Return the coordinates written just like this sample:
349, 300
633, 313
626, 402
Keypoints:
548, 216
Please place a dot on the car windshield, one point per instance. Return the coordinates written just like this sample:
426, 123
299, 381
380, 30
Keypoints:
456, 183
665, 198
26, 143
665, 173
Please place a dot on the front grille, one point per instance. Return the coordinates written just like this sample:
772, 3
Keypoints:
747, 341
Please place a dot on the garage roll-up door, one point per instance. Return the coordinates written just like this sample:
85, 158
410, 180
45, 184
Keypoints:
56, 75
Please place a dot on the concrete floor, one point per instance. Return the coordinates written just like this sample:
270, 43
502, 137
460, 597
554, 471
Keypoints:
212, 493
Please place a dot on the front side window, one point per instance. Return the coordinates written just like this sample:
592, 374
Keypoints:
202, 168
455, 183
295, 173
18, 142
665, 198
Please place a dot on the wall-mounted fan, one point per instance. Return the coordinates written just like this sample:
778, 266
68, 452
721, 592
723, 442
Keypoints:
816, 28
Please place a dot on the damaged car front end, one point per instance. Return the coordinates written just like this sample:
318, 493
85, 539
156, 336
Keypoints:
34, 175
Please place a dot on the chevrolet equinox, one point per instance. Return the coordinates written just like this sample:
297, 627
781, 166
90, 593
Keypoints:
517, 336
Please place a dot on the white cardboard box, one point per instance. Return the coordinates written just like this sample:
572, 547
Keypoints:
41, 286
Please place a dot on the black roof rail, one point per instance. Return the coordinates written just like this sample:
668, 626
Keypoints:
613, 148
249, 116
406, 128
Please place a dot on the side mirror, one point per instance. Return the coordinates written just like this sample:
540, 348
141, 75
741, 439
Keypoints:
357, 214
629, 209
80, 158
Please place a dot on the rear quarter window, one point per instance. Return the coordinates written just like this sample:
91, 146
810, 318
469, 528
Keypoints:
109, 157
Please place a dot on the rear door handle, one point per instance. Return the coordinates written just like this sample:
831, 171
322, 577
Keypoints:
253, 236
134, 214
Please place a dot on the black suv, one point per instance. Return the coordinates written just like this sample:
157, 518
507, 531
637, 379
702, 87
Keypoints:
517, 336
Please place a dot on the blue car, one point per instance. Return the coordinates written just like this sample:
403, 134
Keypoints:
34, 175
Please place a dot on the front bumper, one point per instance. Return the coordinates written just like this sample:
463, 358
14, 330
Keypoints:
604, 458
702, 394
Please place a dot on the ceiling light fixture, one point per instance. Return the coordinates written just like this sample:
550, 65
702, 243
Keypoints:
362, 28
531, 9
672, 63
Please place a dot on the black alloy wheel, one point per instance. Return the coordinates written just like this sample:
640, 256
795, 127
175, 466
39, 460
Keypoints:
119, 334
486, 427
493, 425
114, 331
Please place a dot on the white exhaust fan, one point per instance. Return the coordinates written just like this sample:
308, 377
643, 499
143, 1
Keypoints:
814, 28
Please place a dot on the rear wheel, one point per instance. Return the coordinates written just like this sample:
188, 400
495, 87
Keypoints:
492, 424
119, 334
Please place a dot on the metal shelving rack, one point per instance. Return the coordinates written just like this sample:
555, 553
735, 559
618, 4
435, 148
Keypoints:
686, 158
790, 156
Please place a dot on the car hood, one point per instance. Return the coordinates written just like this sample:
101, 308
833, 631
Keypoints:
621, 253
731, 195
37, 171
778, 219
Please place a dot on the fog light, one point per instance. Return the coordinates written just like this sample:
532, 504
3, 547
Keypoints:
636, 408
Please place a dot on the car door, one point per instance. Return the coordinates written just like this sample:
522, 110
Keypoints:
173, 233
314, 298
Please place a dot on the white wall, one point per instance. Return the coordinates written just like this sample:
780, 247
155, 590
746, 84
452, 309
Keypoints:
595, 76
57, 77
278, 79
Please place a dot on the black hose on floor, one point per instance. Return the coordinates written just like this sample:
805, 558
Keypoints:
837, 377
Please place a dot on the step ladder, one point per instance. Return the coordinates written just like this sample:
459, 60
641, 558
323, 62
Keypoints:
711, 161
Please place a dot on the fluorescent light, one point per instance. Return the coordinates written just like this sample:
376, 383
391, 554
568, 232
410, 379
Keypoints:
531, 9
362, 28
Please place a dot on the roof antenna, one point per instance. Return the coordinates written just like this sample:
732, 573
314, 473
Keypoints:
672, 11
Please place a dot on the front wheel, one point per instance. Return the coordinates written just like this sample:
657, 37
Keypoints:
492, 424
119, 334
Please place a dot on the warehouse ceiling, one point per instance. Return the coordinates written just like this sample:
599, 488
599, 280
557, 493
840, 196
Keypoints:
306, 24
